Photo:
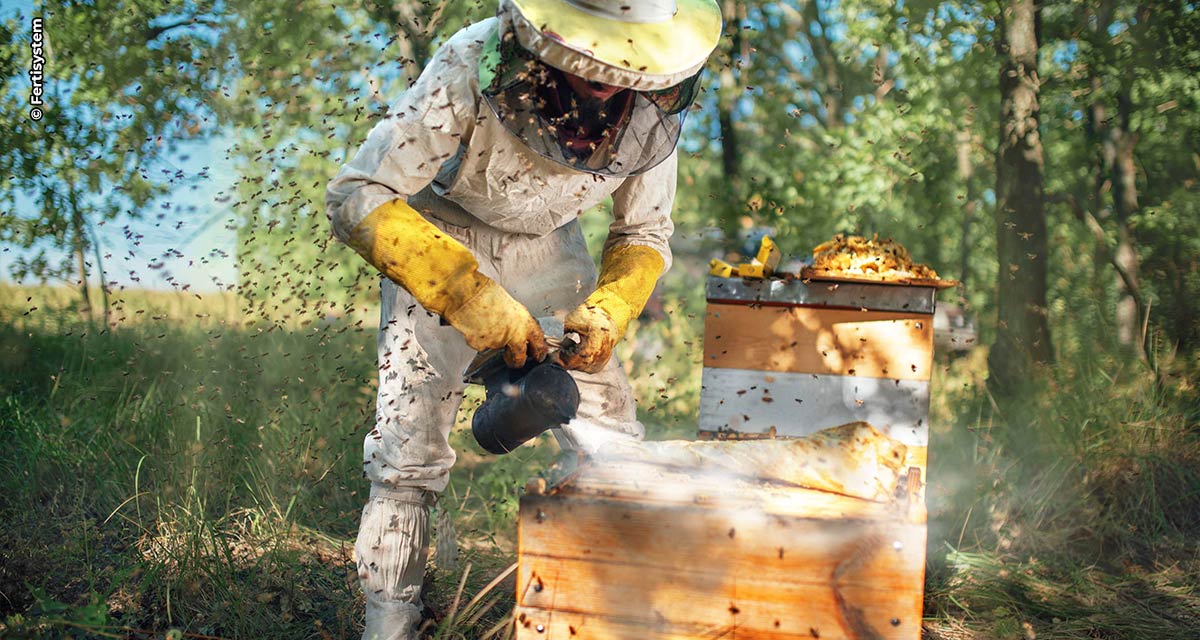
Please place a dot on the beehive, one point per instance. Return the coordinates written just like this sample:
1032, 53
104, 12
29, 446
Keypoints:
790, 357
625, 551
633, 551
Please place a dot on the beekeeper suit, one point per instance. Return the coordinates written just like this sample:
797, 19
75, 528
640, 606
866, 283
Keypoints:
466, 197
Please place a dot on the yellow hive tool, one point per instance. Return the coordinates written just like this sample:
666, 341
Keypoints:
721, 268
769, 255
764, 264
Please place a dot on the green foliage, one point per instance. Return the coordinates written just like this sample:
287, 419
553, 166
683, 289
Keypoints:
194, 466
878, 122
1172, 264
1089, 65
112, 114
306, 94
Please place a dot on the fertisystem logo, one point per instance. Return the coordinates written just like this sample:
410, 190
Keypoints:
36, 66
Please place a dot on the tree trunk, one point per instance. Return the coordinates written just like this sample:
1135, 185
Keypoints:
827, 63
1125, 201
1022, 333
1102, 157
730, 164
727, 97
103, 280
79, 248
966, 173
416, 24
1114, 172
879, 78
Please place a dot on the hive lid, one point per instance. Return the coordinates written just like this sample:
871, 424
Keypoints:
875, 296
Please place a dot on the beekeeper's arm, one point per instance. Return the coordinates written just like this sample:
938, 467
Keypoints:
636, 253
366, 205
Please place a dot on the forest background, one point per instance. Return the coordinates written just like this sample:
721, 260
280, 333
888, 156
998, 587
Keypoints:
187, 359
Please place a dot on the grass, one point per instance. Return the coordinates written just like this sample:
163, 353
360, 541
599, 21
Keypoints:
195, 468
1080, 525
177, 475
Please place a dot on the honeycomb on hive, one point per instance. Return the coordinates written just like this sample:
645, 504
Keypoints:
858, 256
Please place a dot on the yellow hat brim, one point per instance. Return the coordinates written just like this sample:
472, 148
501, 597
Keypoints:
673, 48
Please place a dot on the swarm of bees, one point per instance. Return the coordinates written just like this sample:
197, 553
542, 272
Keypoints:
856, 255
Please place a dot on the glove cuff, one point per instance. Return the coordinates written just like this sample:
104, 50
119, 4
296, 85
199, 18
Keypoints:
482, 307
607, 309
627, 277
436, 269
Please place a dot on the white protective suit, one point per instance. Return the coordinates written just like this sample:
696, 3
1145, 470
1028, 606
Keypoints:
444, 151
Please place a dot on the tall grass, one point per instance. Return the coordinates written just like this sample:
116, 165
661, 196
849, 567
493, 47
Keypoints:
1081, 524
183, 468
196, 467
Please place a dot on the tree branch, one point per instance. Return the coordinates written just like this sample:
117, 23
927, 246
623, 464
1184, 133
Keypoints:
155, 32
1097, 231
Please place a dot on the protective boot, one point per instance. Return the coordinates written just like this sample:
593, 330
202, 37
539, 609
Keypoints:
392, 547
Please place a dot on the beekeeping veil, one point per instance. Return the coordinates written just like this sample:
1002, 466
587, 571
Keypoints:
654, 49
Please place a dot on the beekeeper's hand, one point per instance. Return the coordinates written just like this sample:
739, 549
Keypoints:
627, 277
444, 277
492, 319
598, 335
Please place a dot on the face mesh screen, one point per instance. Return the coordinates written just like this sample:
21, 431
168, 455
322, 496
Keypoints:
627, 134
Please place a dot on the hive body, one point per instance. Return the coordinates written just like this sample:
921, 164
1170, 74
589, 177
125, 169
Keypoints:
633, 549
793, 357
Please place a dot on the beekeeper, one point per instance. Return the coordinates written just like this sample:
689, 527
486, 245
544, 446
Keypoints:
466, 197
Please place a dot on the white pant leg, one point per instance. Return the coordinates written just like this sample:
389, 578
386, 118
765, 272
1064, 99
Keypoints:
420, 388
391, 550
407, 456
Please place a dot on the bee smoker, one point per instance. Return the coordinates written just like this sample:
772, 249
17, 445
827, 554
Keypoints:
520, 403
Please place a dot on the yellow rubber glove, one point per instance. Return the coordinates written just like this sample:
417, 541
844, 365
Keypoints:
627, 277
444, 277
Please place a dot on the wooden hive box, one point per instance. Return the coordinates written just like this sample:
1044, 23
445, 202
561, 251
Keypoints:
790, 357
638, 551
634, 551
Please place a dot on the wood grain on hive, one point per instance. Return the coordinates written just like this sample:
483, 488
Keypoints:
636, 551
788, 357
